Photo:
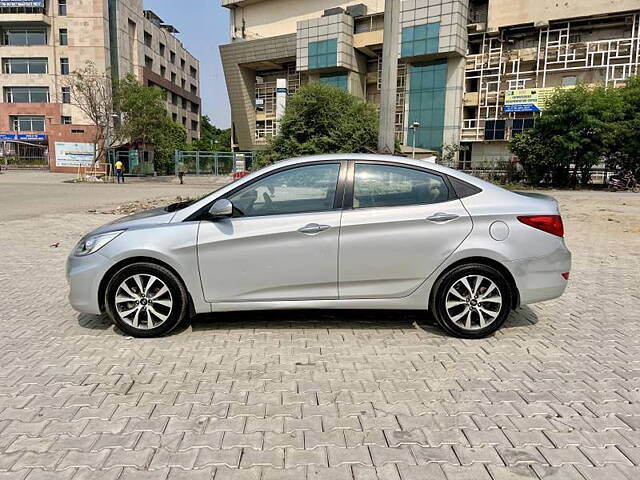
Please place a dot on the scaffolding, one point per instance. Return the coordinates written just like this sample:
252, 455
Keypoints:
497, 67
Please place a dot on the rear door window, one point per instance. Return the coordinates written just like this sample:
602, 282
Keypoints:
392, 186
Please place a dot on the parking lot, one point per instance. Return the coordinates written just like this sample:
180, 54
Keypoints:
358, 395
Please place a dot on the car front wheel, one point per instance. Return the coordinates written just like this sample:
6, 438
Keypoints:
471, 301
146, 300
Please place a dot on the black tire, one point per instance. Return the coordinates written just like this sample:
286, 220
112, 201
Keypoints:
451, 278
179, 297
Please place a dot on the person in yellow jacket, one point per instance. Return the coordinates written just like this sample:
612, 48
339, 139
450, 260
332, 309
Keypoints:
119, 171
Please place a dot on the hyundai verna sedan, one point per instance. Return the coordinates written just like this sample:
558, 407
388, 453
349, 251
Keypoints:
331, 231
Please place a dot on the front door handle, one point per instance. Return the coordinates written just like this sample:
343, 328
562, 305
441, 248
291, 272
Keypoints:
313, 228
442, 217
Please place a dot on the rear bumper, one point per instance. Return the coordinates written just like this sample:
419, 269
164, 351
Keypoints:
539, 279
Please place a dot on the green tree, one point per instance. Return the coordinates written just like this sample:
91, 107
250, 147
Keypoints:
323, 119
534, 156
146, 123
212, 138
624, 149
577, 128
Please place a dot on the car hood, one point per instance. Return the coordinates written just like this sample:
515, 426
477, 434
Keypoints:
155, 216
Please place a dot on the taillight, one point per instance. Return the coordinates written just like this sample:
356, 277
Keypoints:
565, 275
547, 223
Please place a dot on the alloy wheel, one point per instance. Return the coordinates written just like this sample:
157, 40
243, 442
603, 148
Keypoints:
473, 302
143, 301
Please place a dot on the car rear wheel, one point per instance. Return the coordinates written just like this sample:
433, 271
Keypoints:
146, 300
471, 301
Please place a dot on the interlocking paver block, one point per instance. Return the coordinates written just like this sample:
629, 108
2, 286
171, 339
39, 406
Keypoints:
558, 385
295, 457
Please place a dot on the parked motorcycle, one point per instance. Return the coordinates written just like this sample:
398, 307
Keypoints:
623, 183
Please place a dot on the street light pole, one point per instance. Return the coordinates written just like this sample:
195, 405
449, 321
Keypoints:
414, 126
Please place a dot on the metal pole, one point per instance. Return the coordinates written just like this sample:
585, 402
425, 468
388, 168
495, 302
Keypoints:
389, 84
197, 162
414, 142
215, 162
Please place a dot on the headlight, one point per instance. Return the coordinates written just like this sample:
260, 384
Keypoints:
92, 244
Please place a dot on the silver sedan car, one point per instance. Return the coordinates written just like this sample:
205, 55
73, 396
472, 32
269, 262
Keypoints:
332, 231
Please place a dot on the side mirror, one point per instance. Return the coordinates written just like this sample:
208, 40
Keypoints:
221, 208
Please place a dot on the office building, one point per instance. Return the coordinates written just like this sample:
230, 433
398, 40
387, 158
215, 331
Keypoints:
474, 72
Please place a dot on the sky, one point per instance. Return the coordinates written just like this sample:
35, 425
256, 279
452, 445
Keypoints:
203, 25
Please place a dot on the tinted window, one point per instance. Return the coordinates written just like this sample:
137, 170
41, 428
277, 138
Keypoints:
389, 186
304, 189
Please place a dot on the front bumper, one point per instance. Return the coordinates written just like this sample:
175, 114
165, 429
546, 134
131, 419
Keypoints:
84, 275
539, 279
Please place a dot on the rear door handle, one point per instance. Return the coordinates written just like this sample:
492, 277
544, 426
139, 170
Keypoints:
313, 229
442, 217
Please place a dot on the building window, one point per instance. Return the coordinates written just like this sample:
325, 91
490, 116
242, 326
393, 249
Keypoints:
174, 117
62, 8
25, 65
26, 94
174, 98
184, 83
338, 80
24, 37
162, 49
27, 123
66, 120
182, 63
64, 36
193, 72
520, 125
323, 54
148, 62
195, 108
569, 81
184, 121
427, 98
184, 103
172, 57
66, 94
194, 89
420, 40
173, 77
148, 39
194, 125
163, 71
494, 129
64, 66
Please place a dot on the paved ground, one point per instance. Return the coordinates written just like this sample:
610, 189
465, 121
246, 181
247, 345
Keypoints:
355, 395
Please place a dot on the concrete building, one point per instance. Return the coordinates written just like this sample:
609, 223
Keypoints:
470, 71
42, 41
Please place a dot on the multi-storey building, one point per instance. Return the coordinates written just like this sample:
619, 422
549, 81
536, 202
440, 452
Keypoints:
42, 41
474, 72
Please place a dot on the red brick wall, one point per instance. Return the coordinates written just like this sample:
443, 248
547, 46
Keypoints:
53, 128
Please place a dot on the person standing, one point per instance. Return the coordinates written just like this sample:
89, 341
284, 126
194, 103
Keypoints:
119, 171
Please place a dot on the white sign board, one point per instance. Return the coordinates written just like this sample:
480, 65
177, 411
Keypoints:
74, 154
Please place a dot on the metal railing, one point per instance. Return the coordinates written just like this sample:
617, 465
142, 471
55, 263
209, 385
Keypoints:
213, 163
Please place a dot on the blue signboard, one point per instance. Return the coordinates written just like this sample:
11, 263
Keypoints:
22, 3
522, 107
7, 137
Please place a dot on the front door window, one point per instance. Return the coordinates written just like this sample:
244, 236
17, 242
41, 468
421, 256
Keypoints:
298, 190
